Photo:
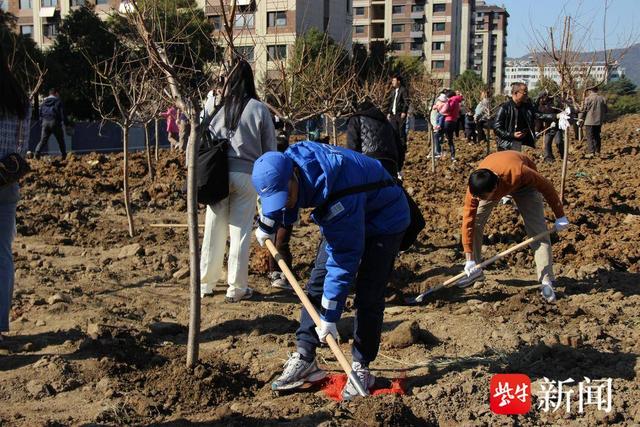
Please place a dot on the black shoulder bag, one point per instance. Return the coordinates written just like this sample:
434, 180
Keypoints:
416, 224
213, 166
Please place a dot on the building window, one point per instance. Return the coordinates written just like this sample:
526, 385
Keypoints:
78, 3
98, 2
397, 28
25, 5
276, 19
216, 21
417, 8
417, 45
396, 10
50, 30
26, 30
244, 20
418, 26
437, 46
277, 52
49, 3
359, 29
246, 52
4, 5
438, 26
439, 7
437, 65
397, 46
358, 11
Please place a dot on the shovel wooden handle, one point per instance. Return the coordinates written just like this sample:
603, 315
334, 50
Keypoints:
489, 261
333, 345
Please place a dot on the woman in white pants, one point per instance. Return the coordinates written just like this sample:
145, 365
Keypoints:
248, 125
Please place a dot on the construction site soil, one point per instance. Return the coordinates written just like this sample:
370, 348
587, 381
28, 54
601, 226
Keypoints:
99, 319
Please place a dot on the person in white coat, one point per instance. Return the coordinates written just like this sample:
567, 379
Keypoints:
248, 125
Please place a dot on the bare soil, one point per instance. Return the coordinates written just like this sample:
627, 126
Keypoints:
99, 326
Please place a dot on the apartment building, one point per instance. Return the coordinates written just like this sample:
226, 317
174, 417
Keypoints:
266, 30
490, 44
530, 72
40, 19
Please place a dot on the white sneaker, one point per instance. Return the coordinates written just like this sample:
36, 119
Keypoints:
366, 379
296, 372
206, 290
477, 276
237, 297
547, 292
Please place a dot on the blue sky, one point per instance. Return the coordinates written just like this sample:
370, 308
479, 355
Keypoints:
623, 21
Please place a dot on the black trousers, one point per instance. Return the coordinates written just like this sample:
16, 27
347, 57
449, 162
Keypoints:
398, 124
51, 127
550, 137
594, 142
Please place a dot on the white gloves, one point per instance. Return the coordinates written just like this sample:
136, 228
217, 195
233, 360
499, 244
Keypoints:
262, 236
326, 328
561, 223
470, 267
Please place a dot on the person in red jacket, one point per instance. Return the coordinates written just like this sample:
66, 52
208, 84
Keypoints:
498, 175
451, 112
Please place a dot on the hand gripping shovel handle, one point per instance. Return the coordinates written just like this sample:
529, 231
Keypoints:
485, 263
333, 345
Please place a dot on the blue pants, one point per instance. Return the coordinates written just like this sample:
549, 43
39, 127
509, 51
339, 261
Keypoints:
437, 141
375, 268
7, 232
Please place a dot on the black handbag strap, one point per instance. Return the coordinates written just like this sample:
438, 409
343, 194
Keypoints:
354, 190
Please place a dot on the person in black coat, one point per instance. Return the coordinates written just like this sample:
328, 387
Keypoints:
370, 133
397, 109
515, 120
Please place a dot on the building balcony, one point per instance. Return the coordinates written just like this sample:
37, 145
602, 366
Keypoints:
416, 52
417, 15
416, 34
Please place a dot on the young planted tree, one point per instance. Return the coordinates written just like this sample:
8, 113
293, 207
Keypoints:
179, 45
124, 80
148, 113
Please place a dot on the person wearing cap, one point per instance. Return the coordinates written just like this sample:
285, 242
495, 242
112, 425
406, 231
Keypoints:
362, 214
498, 175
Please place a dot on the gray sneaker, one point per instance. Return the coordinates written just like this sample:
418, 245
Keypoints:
468, 281
547, 292
279, 280
366, 379
296, 372
248, 293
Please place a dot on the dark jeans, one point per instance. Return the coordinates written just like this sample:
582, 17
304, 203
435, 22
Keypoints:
470, 134
449, 129
593, 139
283, 236
482, 134
551, 137
373, 274
437, 141
398, 125
51, 127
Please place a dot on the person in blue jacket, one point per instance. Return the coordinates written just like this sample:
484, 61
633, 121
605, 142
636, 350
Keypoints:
362, 214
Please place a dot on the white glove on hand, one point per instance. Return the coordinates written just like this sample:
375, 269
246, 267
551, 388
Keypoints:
470, 267
561, 223
262, 236
326, 328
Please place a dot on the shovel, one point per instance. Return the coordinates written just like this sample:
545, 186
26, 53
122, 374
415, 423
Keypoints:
333, 345
420, 298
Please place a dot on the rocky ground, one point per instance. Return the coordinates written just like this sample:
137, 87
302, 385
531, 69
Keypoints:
99, 319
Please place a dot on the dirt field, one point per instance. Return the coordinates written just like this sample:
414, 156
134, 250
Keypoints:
99, 319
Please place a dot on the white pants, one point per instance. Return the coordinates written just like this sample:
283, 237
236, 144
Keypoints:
231, 218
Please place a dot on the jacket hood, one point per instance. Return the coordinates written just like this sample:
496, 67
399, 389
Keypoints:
50, 101
370, 110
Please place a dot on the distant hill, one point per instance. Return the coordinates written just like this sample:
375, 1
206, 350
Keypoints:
630, 61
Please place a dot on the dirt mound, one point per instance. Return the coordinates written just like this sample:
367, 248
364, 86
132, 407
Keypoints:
384, 411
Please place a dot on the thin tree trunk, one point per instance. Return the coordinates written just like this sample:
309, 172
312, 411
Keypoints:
488, 142
157, 130
334, 131
565, 161
433, 146
127, 207
148, 146
193, 342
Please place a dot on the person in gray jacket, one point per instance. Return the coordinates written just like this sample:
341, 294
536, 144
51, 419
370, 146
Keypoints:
595, 108
248, 125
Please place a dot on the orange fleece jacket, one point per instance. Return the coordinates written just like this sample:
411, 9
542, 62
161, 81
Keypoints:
515, 171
